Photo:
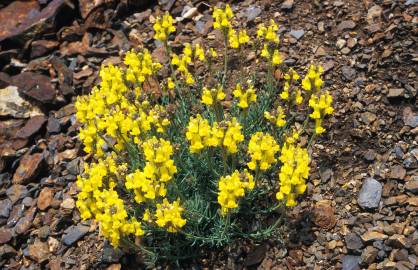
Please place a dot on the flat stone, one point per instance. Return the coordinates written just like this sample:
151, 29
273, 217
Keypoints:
29, 167
35, 86
12, 104
287, 5
370, 194
340, 43
16, 192
75, 233
324, 215
398, 241
396, 93
353, 241
368, 117
6, 251
252, 12
346, 25
45, 198
68, 203
397, 172
32, 126
410, 118
371, 236
412, 186
350, 262
5, 235
53, 125
369, 254
25, 222
297, 33
348, 72
39, 251
5, 207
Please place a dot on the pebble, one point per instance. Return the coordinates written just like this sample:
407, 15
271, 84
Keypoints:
349, 73
370, 194
353, 241
350, 262
74, 233
252, 12
297, 33
5, 207
368, 256
341, 43
45, 198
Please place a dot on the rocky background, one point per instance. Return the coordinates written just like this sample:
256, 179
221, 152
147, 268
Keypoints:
360, 211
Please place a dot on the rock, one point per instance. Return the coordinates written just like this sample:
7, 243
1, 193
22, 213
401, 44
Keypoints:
32, 126
74, 233
411, 2
5, 235
252, 12
340, 43
29, 168
25, 222
39, 251
256, 256
368, 256
35, 86
370, 155
6, 252
42, 47
396, 93
368, 117
110, 254
5, 207
45, 198
324, 215
350, 262
68, 203
16, 192
370, 194
411, 186
397, 172
43, 232
287, 5
373, 14
353, 241
371, 236
53, 125
351, 42
12, 104
410, 118
15, 215
297, 33
116, 266
349, 73
398, 241
346, 25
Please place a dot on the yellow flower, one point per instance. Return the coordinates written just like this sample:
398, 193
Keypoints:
233, 136
278, 117
198, 132
313, 79
322, 106
232, 188
222, 18
210, 96
245, 97
268, 33
213, 53
293, 173
276, 60
163, 27
169, 215
170, 84
262, 148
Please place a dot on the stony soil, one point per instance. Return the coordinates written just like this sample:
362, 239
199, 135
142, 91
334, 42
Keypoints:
360, 211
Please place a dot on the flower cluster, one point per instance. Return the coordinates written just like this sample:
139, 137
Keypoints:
169, 215
222, 18
277, 117
140, 66
184, 60
321, 105
214, 95
269, 32
159, 169
262, 148
313, 80
232, 188
163, 27
245, 97
237, 39
294, 96
293, 173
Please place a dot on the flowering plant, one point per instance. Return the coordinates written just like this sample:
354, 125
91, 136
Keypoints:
204, 160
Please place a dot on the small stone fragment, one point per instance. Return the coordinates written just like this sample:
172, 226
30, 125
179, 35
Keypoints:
371, 236
348, 72
397, 172
353, 241
252, 12
32, 126
29, 167
74, 233
412, 186
346, 25
297, 33
396, 93
324, 215
398, 241
39, 251
287, 5
351, 262
370, 194
68, 203
5, 235
45, 198
5, 207
368, 256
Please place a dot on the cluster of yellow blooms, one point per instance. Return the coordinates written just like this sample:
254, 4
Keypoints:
245, 97
212, 96
98, 199
293, 173
169, 215
159, 169
201, 134
262, 148
232, 188
163, 27
118, 116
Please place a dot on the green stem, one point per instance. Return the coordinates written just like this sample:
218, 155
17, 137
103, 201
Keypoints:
225, 56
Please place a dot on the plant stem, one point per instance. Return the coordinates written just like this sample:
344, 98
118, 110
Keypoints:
225, 57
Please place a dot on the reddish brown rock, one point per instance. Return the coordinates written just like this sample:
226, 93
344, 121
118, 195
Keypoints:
324, 215
5, 235
25, 222
39, 251
32, 126
45, 198
29, 168
35, 86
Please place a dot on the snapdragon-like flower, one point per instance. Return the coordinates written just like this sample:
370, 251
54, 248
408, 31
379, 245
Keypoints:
293, 173
140, 66
313, 80
295, 96
198, 133
245, 97
232, 188
237, 39
163, 27
222, 18
233, 136
169, 215
322, 106
277, 117
269, 32
211, 96
262, 148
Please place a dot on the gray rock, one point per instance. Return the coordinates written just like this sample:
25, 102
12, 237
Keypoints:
12, 104
349, 73
287, 5
53, 125
370, 194
353, 241
346, 25
369, 254
74, 233
411, 2
297, 33
412, 186
252, 12
5, 207
351, 262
